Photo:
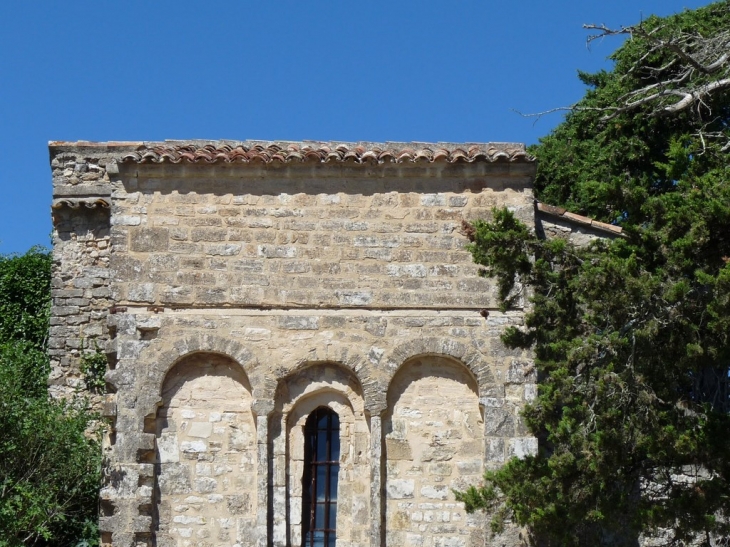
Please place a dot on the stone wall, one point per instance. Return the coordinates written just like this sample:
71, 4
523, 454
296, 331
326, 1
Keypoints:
325, 236
81, 257
434, 432
206, 446
243, 296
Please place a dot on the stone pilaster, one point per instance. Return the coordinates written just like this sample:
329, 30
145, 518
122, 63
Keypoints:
278, 503
262, 409
376, 481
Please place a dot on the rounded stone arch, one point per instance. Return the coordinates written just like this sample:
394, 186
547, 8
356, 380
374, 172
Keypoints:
311, 377
355, 363
311, 385
434, 442
466, 356
334, 400
163, 355
461, 372
205, 421
189, 368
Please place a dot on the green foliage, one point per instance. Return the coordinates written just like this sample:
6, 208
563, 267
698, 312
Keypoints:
630, 336
49, 464
25, 288
608, 168
503, 247
93, 366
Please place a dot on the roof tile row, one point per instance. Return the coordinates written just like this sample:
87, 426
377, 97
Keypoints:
325, 152
578, 219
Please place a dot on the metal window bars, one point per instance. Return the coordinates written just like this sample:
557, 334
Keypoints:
319, 481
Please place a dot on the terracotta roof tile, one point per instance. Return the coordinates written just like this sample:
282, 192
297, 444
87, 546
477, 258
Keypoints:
89, 203
577, 219
608, 227
323, 152
580, 219
76, 203
551, 209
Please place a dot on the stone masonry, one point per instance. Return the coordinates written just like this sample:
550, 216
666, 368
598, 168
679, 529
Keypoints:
237, 287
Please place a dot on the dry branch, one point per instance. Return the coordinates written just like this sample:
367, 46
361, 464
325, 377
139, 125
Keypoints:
698, 67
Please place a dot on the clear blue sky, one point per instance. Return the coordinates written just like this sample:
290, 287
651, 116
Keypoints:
351, 71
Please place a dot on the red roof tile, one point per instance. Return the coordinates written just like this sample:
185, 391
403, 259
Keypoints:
577, 219
324, 152
89, 203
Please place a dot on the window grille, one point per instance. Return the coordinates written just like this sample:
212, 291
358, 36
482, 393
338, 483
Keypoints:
319, 481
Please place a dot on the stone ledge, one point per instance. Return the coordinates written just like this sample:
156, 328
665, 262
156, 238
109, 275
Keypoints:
86, 190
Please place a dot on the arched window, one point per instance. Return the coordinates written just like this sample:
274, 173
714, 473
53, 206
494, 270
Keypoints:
319, 480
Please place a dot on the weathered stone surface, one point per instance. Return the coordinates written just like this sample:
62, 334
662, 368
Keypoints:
145, 240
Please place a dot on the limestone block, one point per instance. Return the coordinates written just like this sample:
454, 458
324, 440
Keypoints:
200, 429
145, 240
294, 322
174, 478
167, 446
434, 492
141, 292
521, 447
499, 422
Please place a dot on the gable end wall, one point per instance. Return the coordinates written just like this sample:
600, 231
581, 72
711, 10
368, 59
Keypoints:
319, 284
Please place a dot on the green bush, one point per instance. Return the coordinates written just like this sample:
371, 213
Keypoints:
49, 462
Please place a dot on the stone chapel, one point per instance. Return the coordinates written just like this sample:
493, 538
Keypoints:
301, 351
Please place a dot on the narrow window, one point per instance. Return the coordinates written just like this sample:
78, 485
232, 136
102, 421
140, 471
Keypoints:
321, 466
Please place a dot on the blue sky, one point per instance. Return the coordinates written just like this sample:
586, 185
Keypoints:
375, 71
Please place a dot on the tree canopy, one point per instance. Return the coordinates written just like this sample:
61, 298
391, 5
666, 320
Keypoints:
49, 463
630, 336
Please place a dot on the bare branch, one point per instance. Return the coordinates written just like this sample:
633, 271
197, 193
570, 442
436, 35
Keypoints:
539, 115
698, 94
692, 70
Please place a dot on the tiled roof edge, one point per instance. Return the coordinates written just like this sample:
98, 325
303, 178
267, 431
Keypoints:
75, 203
194, 151
560, 212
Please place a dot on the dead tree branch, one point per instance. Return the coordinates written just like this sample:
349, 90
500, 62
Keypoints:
697, 68
673, 71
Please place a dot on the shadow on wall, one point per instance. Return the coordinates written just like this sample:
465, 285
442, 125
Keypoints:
272, 180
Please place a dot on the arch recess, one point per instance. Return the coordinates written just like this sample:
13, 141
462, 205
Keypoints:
163, 354
312, 377
466, 356
206, 449
434, 443
314, 385
360, 368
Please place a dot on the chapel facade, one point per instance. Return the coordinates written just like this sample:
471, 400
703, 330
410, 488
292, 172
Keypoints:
301, 351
